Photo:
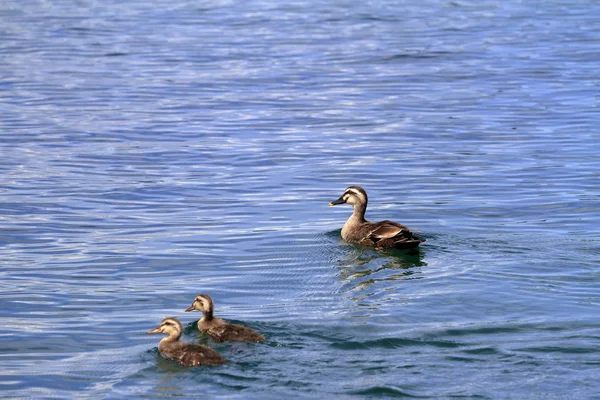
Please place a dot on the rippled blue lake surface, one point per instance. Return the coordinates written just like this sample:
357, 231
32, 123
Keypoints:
152, 151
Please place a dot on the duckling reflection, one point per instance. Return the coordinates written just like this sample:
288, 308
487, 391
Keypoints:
381, 235
189, 355
218, 329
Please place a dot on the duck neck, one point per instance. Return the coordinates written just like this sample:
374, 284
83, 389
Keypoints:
208, 315
174, 337
359, 213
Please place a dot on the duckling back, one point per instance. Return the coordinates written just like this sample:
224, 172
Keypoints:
191, 355
234, 333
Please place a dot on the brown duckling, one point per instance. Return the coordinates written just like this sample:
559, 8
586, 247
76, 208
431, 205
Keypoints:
189, 355
220, 330
381, 235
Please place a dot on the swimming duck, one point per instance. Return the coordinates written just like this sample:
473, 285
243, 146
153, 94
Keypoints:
220, 330
189, 355
381, 235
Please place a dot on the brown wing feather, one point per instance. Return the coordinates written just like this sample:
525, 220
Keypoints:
235, 333
193, 354
390, 234
388, 230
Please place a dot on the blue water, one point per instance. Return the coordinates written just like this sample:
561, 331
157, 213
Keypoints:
152, 151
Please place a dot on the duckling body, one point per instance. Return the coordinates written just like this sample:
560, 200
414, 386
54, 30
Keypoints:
190, 355
381, 235
218, 329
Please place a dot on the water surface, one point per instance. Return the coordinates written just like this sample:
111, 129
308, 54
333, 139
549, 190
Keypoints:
152, 151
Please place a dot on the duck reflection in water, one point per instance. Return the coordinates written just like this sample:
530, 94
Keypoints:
375, 266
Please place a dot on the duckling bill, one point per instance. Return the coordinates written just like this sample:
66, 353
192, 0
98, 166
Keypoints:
189, 355
218, 329
381, 235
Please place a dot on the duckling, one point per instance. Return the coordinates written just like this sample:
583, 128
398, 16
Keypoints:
381, 235
220, 330
189, 355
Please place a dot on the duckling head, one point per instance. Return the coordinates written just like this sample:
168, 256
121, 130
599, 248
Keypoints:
354, 195
204, 303
169, 326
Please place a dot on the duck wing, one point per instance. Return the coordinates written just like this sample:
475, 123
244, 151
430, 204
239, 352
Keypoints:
192, 355
390, 234
235, 333
388, 230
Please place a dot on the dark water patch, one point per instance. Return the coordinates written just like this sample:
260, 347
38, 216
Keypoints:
468, 360
555, 349
386, 391
116, 54
481, 351
392, 343
481, 331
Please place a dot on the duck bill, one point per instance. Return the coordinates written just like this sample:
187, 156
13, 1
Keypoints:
190, 308
336, 202
155, 330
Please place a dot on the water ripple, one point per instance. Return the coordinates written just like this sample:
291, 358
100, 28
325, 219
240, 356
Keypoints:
151, 152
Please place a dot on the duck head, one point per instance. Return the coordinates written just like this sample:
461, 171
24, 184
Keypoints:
169, 326
203, 303
354, 195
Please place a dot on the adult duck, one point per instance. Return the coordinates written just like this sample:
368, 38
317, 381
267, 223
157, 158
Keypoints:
381, 235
